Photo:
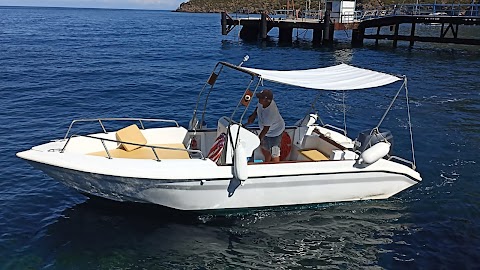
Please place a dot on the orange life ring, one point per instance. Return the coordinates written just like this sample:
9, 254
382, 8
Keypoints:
247, 97
217, 147
285, 146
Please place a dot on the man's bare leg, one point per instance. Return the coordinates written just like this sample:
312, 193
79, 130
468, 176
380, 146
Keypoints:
266, 154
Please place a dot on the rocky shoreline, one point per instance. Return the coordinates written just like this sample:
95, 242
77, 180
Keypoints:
259, 6
212, 6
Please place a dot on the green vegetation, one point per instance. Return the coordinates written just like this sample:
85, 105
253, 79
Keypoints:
258, 6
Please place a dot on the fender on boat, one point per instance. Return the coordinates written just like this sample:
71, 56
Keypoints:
240, 163
374, 153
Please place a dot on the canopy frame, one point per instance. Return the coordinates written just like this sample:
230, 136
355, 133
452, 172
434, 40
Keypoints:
260, 75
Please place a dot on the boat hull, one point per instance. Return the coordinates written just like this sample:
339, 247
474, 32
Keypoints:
229, 193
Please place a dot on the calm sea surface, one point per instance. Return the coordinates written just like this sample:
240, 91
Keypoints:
57, 65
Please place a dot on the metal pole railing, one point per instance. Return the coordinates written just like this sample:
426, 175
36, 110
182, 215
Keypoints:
153, 147
100, 121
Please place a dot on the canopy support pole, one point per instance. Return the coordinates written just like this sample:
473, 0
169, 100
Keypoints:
404, 85
313, 109
194, 122
344, 116
391, 104
409, 122
234, 146
211, 83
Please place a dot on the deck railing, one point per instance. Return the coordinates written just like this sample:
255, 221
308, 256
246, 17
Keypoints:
153, 147
101, 120
405, 161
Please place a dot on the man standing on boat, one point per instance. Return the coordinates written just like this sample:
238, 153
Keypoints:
271, 125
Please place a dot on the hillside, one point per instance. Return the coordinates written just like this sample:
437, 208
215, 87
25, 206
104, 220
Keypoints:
257, 6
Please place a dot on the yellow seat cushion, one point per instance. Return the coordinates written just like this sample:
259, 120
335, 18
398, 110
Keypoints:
313, 154
147, 153
130, 134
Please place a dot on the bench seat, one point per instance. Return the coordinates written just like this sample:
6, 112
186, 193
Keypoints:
313, 154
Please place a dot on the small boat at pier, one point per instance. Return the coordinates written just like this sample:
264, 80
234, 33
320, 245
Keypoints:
221, 167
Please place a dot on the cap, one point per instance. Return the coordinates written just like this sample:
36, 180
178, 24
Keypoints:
266, 93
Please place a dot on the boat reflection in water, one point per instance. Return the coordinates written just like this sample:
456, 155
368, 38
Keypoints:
120, 234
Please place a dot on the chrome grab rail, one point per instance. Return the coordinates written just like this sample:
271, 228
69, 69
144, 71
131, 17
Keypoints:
334, 127
153, 147
99, 120
403, 160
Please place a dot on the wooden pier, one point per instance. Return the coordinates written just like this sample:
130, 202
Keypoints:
447, 17
254, 29
448, 29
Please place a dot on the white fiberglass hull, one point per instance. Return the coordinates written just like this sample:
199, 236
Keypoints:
267, 185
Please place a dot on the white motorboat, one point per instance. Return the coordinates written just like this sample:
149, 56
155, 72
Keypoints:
198, 168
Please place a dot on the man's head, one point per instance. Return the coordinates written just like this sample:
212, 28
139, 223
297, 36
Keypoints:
265, 94
265, 97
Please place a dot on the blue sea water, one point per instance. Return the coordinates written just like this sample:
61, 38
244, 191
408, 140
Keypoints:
57, 65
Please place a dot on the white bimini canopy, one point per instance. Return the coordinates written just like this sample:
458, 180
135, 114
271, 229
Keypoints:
340, 77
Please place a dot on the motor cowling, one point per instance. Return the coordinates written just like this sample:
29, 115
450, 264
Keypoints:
369, 138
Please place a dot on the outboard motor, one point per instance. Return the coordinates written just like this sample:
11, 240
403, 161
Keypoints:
368, 138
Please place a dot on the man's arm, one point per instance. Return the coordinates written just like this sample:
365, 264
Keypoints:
252, 117
264, 131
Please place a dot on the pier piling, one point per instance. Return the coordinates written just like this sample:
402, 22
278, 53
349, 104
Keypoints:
224, 23
326, 39
358, 36
412, 35
395, 35
263, 26
285, 35
317, 37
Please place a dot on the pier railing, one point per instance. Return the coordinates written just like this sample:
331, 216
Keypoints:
472, 10
433, 9
448, 16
